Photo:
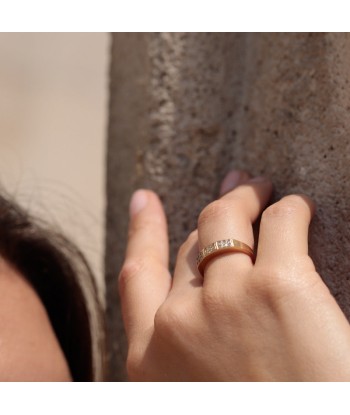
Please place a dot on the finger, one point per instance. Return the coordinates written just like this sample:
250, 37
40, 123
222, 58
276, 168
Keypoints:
232, 217
144, 281
186, 274
233, 179
284, 231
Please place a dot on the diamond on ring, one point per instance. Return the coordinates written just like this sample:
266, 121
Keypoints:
221, 247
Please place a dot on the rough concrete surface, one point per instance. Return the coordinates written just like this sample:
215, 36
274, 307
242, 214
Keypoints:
185, 108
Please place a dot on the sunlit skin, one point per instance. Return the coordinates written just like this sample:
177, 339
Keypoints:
272, 320
29, 350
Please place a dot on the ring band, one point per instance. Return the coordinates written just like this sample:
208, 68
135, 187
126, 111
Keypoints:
220, 248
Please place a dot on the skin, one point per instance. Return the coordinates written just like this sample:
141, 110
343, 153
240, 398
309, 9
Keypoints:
272, 320
29, 350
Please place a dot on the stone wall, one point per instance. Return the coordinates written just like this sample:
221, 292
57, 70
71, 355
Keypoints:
185, 108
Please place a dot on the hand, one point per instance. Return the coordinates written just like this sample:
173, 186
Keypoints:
274, 320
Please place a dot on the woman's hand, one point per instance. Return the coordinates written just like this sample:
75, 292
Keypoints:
274, 320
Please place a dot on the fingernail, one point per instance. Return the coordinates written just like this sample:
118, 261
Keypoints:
138, 202
258, 179
232, 180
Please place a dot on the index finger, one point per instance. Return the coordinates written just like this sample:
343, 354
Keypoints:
144, 281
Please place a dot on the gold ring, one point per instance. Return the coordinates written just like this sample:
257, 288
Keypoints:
219, 248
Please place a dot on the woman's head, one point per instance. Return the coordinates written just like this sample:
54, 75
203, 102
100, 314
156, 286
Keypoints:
62, 278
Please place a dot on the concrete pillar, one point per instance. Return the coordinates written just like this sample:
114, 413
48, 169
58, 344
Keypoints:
185, 108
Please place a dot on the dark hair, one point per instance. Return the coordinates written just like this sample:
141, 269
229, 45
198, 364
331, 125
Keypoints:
61, 276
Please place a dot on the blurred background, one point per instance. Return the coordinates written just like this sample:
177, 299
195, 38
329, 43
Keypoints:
53, 120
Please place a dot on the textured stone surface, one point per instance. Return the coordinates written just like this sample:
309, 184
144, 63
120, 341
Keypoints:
185, 108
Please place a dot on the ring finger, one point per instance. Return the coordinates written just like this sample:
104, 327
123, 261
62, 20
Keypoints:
232, 216
186, 274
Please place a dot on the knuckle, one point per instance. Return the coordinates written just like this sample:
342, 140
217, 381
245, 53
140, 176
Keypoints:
130, 270
276, 283
218, 209
287, 206
170, 320
207, 213
166, 319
